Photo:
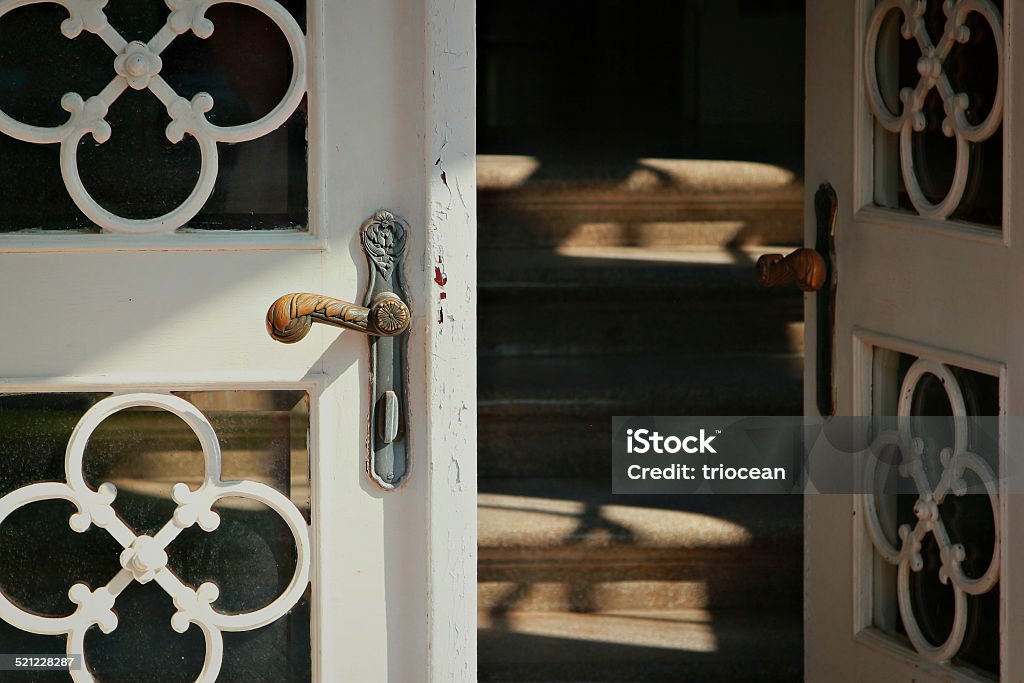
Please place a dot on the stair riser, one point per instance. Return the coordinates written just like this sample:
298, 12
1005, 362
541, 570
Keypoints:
764, 581
512, 224
516, 446
537, 442
570, 324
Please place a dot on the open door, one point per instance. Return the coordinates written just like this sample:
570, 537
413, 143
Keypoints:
239, 509
911, 110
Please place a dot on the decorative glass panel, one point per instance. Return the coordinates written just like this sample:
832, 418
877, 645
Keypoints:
935, 74
152, 118
937, 550
175, 566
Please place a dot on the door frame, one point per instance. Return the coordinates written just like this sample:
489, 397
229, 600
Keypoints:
447, 354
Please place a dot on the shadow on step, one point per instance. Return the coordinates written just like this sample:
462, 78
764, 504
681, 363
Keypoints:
577, 584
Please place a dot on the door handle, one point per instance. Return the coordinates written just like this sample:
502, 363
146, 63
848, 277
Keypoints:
292, 315
385, 318
805, 268
813, 270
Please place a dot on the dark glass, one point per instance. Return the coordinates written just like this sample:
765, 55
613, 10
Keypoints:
968, 519
972, 68
144, 451
246, 66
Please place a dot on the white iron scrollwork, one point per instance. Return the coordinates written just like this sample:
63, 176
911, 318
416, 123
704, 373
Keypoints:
137, 65
930, 67
955, 461
144, 558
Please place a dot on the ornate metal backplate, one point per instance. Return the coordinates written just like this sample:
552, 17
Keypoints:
384, 236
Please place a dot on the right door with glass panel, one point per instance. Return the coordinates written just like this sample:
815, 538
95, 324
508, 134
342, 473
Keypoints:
910, 117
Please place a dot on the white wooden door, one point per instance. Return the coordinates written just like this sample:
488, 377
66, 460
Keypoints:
136, 287
911, 111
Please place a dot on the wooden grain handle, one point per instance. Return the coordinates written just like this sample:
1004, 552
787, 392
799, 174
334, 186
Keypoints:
290, 318
804, 267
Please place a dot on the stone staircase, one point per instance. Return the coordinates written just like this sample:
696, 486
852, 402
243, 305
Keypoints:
621, 289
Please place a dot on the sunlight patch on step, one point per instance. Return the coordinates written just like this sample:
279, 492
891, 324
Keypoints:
506, 171
525, 520
689, 630
711, 255
708, 175
580, 593
654, 234
159, 490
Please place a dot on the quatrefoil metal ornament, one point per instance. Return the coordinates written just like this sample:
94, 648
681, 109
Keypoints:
906, 555
144, 557
931, 69
137, 65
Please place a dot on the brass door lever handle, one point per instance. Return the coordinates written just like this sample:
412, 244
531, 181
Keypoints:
384, 317
290, 318
805, 268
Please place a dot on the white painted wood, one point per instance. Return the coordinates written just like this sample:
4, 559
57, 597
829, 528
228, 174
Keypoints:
917, 284
449, 351
391, 102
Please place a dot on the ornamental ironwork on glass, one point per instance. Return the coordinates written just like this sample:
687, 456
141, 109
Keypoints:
944, 541
937, 92
137, 65
143, 557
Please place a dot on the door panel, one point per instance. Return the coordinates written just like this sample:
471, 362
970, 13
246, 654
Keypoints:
926, 258
380, 116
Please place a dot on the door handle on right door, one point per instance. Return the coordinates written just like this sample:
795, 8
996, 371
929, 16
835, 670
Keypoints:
804, 267
813, 270
384, 318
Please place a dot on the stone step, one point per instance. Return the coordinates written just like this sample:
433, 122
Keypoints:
551, 416
558, 545
648, 646
527, 202
586, 300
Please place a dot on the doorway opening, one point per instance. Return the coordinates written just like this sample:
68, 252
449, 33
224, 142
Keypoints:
634, 163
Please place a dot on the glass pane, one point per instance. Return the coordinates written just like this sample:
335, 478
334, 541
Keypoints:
967, 519
144, 451
245, 66
971, 68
